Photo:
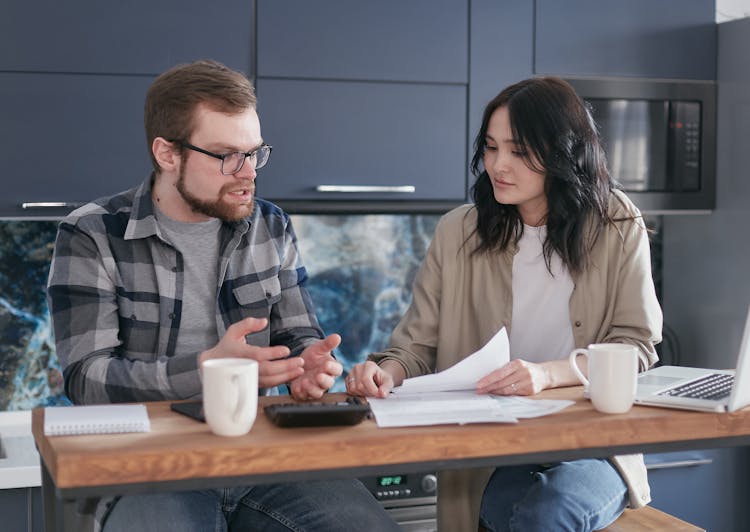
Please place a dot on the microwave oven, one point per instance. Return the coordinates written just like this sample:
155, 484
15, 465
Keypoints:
659, 137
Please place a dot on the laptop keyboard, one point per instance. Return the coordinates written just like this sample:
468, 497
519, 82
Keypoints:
713, 386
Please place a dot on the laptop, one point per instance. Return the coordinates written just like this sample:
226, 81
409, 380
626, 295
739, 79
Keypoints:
697, 388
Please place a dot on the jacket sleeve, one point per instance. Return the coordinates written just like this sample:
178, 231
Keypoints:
414, 341
637, 316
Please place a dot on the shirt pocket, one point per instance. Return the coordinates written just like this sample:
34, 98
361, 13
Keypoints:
139, 327
258, 294
138, 311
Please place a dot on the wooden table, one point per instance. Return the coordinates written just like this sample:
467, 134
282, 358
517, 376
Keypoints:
180, 453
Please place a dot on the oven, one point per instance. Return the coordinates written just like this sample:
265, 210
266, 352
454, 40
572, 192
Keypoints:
410, 499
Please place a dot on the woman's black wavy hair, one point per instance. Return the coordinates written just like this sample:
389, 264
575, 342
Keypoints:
556, 128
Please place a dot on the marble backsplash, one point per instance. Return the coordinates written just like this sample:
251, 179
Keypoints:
361, 268
29, 372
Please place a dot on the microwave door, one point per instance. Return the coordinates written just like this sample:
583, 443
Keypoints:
634, 135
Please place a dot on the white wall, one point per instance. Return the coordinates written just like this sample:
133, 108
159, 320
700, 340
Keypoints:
732, 9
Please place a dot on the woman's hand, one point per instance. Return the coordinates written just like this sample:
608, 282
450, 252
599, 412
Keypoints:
519, 377
371, 380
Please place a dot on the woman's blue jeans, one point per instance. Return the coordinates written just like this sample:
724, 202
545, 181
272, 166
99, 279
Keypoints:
338, 505
576, 496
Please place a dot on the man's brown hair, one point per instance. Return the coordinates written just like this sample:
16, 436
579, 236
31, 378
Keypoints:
172, 98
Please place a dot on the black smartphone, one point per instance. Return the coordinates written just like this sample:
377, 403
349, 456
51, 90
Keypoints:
193, 409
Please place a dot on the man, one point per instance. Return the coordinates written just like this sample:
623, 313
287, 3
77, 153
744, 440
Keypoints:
188, 266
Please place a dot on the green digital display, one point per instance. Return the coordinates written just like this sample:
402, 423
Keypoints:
393, 480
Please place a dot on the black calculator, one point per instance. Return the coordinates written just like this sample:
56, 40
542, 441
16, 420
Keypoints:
316, 414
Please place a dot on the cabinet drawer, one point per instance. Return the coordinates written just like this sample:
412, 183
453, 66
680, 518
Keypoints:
69, 138
392, 40
352, 134
706, 487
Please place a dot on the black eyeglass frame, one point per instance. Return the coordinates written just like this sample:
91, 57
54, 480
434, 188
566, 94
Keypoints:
223, 156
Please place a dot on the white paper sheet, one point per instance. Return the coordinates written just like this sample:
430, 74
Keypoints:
437, 408
458, 407
525, 407
465, 374
449, 397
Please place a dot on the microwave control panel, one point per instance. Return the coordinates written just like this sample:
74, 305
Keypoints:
684, 161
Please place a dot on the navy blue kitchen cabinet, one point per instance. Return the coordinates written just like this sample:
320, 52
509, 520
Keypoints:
134, 37
406, 140
21, 510
73, 78
639, 38
387, 40
364, 102
69, 138
501, 53
706, 488
456, 54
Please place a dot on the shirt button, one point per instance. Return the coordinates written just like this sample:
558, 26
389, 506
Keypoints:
172, 315
174, 269
578, 323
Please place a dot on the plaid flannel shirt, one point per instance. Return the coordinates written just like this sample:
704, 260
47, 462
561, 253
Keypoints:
115, 295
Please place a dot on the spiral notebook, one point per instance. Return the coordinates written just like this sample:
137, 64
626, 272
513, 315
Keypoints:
95, 419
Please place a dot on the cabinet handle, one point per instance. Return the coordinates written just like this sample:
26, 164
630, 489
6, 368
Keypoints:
401, 189
679, 463
50, 205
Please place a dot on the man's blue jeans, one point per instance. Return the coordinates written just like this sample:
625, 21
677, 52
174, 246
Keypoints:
579, 496
338, 505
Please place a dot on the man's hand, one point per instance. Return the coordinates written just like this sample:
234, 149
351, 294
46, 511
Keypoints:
274, 367
320, 369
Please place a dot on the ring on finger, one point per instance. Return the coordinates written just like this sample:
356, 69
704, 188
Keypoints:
513, 386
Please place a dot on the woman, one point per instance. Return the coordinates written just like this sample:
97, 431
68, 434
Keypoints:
552, 251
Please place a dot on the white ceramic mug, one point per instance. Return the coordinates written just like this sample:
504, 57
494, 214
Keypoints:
613, 375
230, 395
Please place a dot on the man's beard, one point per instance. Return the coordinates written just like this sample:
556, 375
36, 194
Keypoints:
218, 208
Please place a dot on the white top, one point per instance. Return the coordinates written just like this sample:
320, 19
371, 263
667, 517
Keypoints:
540, 326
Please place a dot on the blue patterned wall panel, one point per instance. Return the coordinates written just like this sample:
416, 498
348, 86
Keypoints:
361, 270
29, 372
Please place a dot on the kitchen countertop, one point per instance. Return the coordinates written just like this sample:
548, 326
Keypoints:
19, 460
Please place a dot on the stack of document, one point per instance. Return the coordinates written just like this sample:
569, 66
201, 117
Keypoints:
437, 408
448, 397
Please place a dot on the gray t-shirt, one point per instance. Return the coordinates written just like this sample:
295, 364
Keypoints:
199, 244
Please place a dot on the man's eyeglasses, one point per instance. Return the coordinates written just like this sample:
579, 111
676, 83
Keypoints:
232, 162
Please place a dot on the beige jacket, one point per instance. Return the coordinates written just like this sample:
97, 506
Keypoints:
460, 301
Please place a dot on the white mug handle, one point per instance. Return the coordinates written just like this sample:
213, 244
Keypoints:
572, 359
241, 386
